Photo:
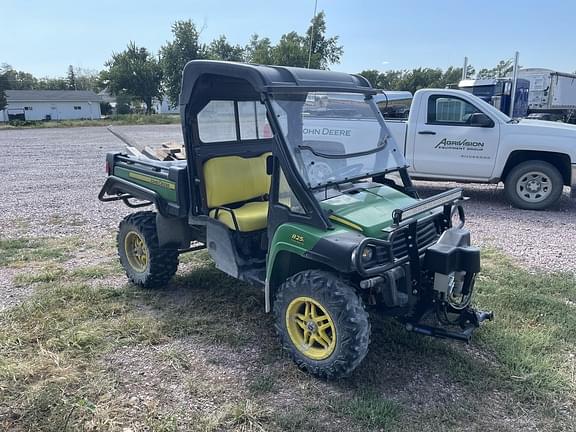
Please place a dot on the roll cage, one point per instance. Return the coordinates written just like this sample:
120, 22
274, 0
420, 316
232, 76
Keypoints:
204, 81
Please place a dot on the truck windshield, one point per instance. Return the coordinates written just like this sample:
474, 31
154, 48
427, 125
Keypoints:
335, 137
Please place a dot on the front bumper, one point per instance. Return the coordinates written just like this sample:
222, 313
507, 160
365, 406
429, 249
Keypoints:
573, 181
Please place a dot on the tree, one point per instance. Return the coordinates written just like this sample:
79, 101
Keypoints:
184, 47
294, 49
373, 76
18, 80
503, 68
415, 79
137, 72
123, 104
220, 49
325, 51
87, 79
258, 50
71, 78
48, 83
3, 88
453, 75
391, 79
290, 51
76, 79
388, 80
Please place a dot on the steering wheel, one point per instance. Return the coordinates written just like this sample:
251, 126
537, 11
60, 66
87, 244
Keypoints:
318, 172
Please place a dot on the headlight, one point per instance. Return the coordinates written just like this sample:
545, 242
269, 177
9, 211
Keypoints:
367, 254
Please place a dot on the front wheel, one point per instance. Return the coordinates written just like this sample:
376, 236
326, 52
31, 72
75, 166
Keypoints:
145, 263
533, 185
322, 323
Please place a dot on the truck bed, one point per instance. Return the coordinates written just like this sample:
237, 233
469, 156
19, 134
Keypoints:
163, 183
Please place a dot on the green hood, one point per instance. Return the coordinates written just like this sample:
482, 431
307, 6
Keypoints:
368, 210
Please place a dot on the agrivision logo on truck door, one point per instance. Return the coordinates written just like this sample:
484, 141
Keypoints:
462, 144
467, 149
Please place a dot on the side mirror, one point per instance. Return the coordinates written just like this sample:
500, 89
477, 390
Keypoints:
481, 120
269, 164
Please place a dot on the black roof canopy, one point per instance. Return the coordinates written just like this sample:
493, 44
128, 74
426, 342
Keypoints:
267, 78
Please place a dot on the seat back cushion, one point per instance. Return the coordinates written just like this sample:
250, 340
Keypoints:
231, 179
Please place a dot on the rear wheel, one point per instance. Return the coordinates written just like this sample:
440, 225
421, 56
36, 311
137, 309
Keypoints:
322, 323
145, 263
533, 185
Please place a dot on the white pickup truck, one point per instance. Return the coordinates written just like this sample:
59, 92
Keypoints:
454, 135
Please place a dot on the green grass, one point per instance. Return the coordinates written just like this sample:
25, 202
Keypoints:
369, 409
53, 375
116, 120
263, 383
97, 271
48, 344
535, 331
48, 274
18, 252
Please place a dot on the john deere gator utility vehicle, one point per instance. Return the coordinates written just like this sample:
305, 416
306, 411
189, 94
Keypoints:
294, 183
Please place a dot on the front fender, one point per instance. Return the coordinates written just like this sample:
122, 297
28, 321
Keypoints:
331, 248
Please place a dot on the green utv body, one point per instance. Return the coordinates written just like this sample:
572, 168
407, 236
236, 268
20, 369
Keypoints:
294, 183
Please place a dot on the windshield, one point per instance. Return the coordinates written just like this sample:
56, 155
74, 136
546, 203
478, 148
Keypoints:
335, 137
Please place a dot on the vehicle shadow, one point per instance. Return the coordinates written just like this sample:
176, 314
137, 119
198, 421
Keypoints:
418, 373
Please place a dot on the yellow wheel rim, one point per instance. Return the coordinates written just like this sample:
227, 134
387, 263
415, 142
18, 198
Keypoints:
136, 251
310, 328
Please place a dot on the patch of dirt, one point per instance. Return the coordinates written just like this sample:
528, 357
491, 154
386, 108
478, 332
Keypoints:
10, 294
186, 377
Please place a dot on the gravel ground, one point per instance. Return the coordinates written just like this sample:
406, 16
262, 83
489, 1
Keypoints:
50, 179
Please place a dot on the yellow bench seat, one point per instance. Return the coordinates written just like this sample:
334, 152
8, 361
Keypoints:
235, 179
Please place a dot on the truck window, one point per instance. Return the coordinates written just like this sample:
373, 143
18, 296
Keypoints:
449, 110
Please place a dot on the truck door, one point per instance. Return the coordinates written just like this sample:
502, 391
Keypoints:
454, 138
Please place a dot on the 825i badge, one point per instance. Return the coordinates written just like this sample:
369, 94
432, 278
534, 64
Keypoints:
297, 238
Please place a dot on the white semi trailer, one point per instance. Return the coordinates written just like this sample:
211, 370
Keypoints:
552, 94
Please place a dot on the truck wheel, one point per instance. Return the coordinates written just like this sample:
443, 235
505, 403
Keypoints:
146, 265
322, 323
533, 185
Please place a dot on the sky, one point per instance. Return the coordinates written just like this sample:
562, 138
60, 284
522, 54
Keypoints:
44, 37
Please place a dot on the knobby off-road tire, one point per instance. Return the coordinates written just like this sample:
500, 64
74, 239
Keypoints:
533, 185
145, 263
340, 322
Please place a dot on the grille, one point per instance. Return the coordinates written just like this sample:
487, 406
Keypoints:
426, 234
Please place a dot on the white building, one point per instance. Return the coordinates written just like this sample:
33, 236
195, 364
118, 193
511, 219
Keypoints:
51, 105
